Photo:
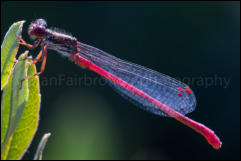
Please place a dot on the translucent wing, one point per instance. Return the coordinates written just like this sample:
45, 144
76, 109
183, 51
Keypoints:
163, 88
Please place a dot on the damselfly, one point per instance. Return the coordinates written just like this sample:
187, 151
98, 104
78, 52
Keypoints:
152, 91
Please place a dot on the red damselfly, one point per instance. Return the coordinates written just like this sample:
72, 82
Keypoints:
152, 91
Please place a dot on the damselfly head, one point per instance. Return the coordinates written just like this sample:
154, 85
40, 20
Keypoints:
37, 28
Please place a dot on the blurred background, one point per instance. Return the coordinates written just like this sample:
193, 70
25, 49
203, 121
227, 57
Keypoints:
195, 42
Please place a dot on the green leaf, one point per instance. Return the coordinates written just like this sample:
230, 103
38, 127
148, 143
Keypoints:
9, 50
28, 125
5, 104
19, 110
41, 146
18, 99
5, 107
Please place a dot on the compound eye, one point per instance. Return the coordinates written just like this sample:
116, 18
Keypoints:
36, 31
37, 28
41, 22
39, 31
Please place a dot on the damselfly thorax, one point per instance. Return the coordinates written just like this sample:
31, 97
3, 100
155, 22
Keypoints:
62, 43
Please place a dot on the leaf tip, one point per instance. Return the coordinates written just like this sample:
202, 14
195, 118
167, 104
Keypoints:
41, 146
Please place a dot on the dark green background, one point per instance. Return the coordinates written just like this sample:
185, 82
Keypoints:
198, 40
